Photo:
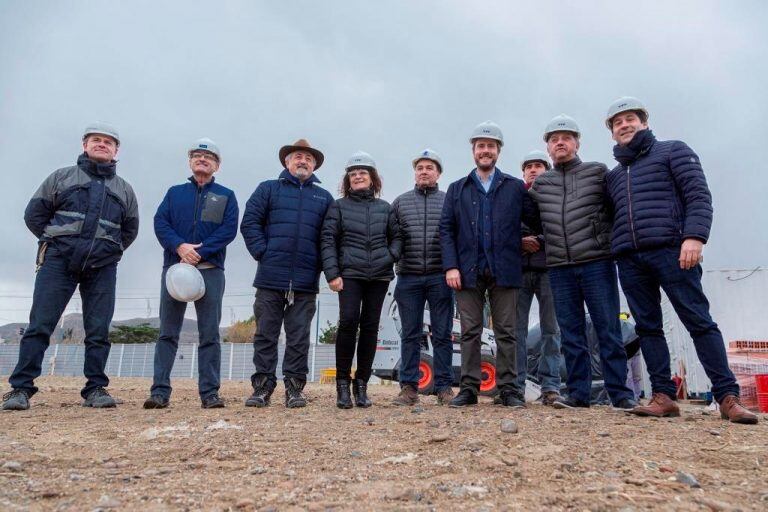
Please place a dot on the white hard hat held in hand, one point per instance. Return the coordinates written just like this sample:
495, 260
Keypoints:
184, 283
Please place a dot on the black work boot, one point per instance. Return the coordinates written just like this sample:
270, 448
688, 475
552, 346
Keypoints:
212, 402
294, 397
156, 402
99, 398
262, 392
343, 399
360, 390
466, 397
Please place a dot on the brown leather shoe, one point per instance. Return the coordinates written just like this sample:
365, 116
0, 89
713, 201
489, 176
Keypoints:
549, 397
445, 396
659, 406
731, 409
408, 396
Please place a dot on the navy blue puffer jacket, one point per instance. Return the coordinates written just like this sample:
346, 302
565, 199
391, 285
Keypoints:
281, 227
459, 231
659, 193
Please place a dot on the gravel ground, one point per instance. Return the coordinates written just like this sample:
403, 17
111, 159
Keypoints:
61, 456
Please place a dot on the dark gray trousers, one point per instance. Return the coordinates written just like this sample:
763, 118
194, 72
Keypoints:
503, 302
272, 311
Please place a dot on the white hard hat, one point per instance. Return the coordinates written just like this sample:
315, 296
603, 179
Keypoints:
624, 104
487, 130
561, 123
205, 144
536, 156
360, 159
184, 282
429, 154
102, 129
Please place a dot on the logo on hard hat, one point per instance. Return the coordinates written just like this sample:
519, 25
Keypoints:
426, 153
203, 146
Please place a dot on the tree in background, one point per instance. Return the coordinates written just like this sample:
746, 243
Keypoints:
328, 335
241, 332
142, 333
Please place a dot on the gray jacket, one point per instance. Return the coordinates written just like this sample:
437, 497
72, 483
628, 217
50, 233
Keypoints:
575, 215
418, 213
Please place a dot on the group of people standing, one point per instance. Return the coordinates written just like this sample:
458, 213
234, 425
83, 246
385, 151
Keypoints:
557, 234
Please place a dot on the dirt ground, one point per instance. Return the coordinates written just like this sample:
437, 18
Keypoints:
61, 456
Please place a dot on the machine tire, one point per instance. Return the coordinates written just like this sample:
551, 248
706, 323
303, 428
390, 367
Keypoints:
488, 375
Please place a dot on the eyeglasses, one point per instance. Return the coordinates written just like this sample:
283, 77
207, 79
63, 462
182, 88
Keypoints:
204, 155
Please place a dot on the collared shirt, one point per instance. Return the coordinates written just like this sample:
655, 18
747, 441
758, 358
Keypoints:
485, 223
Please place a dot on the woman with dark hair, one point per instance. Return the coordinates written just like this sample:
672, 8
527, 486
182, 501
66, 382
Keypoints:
359, 245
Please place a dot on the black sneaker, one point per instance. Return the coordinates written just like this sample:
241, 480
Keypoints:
212, 402
465, 397
262, 392
156, 402
294, 397
99, 398
569, 403
509, 399
16, 400
626, 404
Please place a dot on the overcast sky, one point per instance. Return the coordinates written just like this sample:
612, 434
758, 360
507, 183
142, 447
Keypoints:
389, 78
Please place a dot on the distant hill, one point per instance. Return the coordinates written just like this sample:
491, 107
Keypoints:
70, 329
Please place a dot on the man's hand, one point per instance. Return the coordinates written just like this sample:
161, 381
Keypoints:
530, 244
188, 253
453, 278
337, 284
690, 253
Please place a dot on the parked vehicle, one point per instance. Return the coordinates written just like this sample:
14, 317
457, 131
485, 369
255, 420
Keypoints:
386, 364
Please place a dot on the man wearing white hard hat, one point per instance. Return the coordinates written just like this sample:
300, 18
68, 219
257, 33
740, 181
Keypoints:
84, 217
574, 214
194, 224
536, 284
663, 214
480, 240
420, 281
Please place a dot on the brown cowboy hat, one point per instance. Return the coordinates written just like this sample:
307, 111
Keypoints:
301, 145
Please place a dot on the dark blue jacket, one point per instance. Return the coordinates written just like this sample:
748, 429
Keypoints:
281, 227
87, 212
459, 235
193, 214
659, 193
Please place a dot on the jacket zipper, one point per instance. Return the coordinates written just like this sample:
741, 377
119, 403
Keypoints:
565, 234
629, 208
101, 209
293, 256
198, 193
368, 232
425, 231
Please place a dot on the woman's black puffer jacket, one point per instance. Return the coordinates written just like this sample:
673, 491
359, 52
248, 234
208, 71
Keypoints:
360, 238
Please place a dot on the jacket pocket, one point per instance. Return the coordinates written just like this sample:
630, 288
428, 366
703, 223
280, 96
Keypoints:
214, 208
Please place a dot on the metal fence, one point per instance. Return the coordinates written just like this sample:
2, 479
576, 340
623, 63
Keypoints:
136, 360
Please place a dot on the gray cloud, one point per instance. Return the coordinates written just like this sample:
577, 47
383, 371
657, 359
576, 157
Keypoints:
389, 78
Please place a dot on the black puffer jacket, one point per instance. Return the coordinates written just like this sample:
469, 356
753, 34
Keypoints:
360, 238
575, 215
418, 214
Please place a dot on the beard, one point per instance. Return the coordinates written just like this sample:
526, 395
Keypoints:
486, 167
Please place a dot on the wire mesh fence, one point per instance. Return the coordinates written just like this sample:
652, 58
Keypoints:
136, 360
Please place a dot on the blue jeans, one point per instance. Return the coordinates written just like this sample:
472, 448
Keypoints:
595, 284
411, 293
537, 284
54, 286
208, 310
642, 275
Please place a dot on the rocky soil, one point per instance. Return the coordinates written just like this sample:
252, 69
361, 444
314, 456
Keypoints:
60, 456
